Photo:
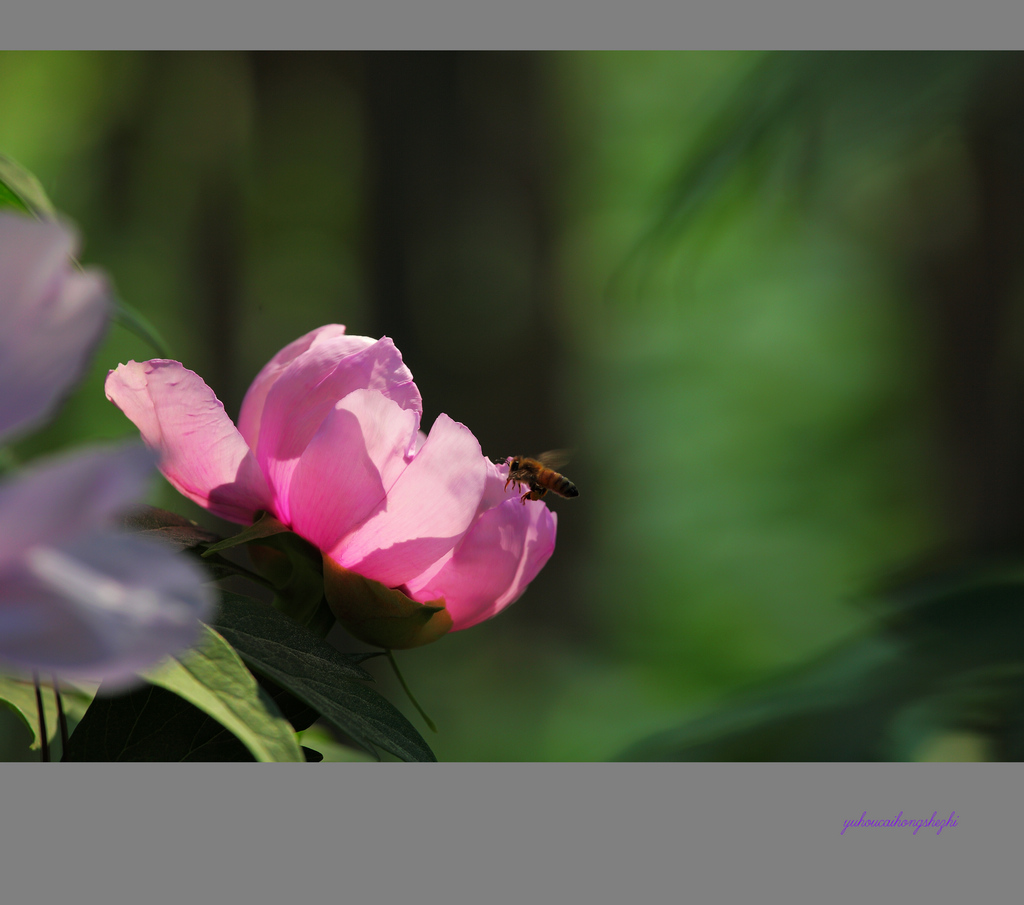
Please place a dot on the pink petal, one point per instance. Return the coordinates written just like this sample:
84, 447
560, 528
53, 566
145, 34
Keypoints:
494, 494
202, 454
343, 476
100, 607
540, 544
495, 491
428, 509
493, 564
310, 386
62, 497
51, 318
252, 406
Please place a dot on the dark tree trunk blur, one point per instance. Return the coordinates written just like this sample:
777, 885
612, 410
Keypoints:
972, 291
460, 236
462, 166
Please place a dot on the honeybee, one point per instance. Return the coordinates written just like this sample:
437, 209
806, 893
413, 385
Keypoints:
539, 475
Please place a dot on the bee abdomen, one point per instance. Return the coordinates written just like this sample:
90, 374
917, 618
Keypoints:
564, 487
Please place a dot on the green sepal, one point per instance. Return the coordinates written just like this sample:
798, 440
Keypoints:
265, 526
380, 615
293, 567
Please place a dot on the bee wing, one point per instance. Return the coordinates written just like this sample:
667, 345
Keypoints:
555, 458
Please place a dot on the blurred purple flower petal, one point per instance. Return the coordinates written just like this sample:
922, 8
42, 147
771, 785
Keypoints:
69, 496
51, 317
80, 599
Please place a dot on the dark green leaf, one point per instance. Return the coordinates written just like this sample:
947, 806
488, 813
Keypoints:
967, 627
266, 526
300, 715
213, 678
151, 724
318, 739
319, 675
363, 656
183, 533
206, 706
954, 661
169, 526
835, 710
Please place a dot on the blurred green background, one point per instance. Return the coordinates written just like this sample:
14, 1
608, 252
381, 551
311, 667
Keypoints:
772, 301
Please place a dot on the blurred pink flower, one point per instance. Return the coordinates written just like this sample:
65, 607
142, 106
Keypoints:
77, 597
328, 442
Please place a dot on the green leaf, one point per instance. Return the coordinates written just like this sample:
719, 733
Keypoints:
300, 715
21, 190
20, 696
319, 675
151, 724
185, 534
168, 526
202, 706
213, 678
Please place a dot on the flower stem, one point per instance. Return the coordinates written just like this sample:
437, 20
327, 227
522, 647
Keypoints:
61, 717
44, 741
415, 703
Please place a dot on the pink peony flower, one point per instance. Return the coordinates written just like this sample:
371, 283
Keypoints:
328, 442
